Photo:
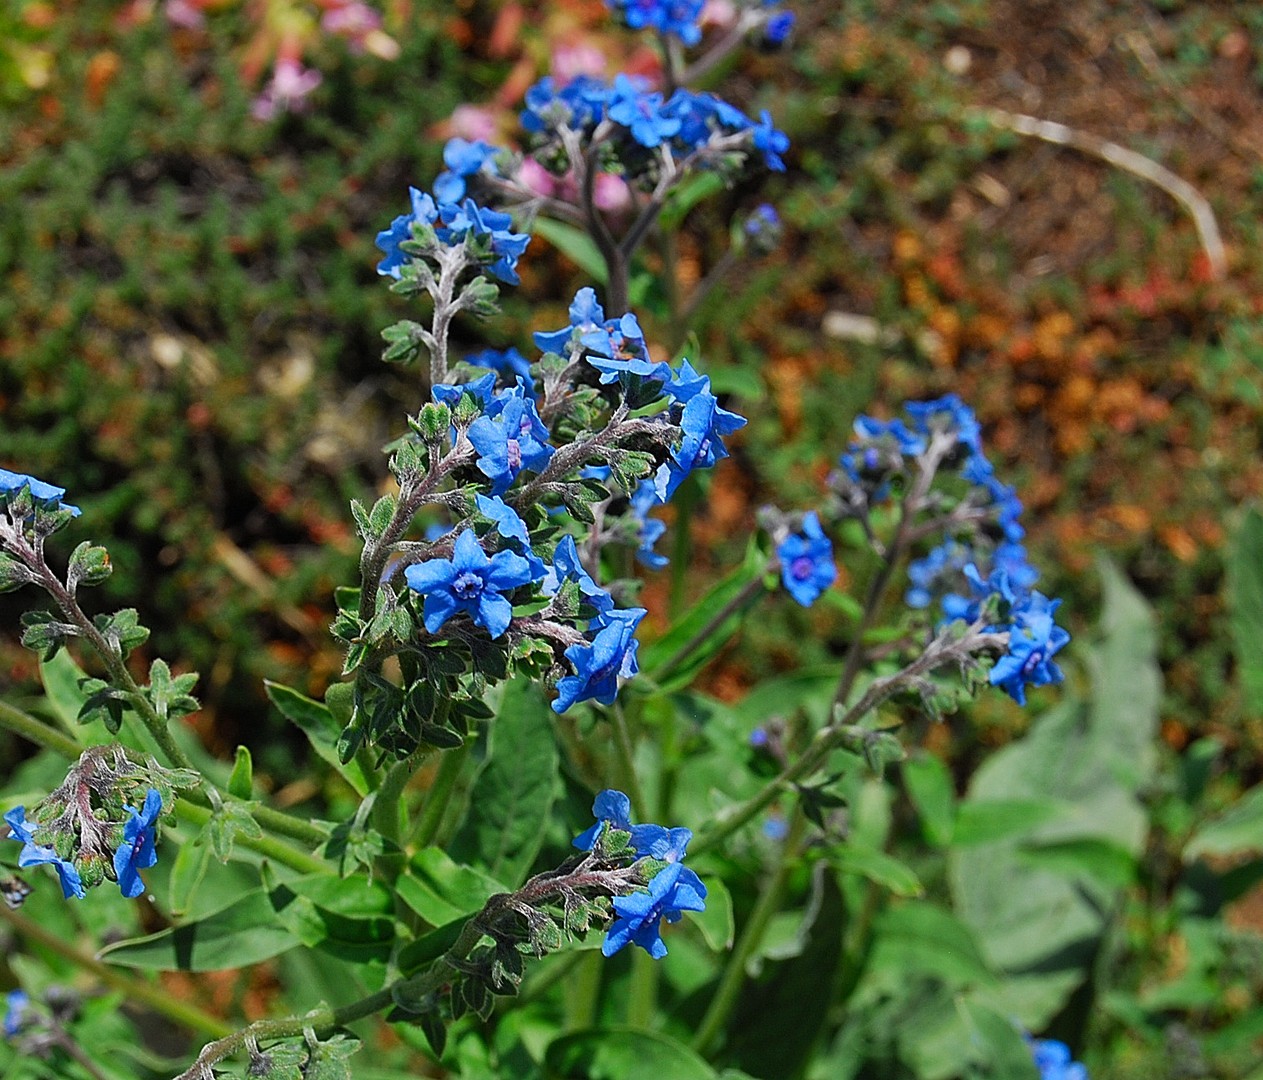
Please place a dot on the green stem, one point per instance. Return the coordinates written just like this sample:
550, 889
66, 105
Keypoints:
156, 998
36, 731
583, 992
627, 759
734, 975
451, 763
270, 848
940, 652
190, 806
642, 990
748, 593
388, 808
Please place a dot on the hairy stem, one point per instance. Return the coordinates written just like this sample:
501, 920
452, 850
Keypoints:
179, 1012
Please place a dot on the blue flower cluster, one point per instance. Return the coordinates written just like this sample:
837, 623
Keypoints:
673, 889
33, 854
1055, 1062
686, 122
46, 496
485, 233
682, 18
16, 1006
806, 558
136, 851
980, 563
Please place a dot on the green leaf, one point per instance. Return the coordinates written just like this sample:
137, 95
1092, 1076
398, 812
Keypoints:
61, 677
1245, 603
515, 792
716, 922
618, 1053
658, 660
350, 918
575, 244
920, 937
244, 933
686, 196
241, 782
227, 822
877, 867
1038, 923
1085, 857
321, 728
984, 821
187, 872
441, 891
1237, 829
929, 786
328, 1060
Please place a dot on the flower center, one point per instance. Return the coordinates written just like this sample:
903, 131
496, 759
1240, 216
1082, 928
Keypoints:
515, 454
468, 585
800, 568
1032, 662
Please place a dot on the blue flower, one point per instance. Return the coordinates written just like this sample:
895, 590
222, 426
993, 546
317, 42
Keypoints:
388, 240
470, 222
613, 809
621, 352
672, 891
807, 567
586, 314
599, 663
462, 158
578, 105
44, 495
510, 440
1033, 639
643, 113
510, 525
773, 143
568, 567
650, 530
483, 389
1054, 1061
506, 362
702, 424
947, 413
16, 1003
778, 27
33, 854
469, 582
677, 17
137, 852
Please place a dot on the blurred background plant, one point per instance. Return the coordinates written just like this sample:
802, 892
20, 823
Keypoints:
191, 347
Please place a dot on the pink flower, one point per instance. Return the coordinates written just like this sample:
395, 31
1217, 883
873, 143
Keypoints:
611, 192
473, 122
352, 20
534, 177
184, 14
290, 85
571, 61
721, 13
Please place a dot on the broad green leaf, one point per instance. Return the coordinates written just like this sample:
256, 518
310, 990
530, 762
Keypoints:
1085, 857
919, 937
1039, 923
877, 867
1245, 602
1237, 829
984, 821
778, 1019
515, 792
187, 872
694, 190
616, 1053
716, 922
440, 890
575, 244
244, 933
665, 661
348, 917
320, 727
929, 786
